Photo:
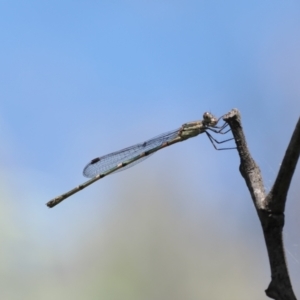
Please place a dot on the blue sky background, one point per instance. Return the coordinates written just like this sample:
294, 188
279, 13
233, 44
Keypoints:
80, 79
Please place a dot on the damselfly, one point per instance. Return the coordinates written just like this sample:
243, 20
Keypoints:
118, 161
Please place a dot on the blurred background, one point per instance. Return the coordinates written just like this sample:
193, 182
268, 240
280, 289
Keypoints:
80, 79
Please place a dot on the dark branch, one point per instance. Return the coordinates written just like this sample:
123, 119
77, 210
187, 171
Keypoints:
270, 208
284, 177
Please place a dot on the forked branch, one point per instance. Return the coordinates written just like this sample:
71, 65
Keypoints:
270, 208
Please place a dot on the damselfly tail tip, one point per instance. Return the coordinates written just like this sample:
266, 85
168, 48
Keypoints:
52, 203
49, 204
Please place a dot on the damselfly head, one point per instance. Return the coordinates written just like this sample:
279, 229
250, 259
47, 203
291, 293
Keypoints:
209, 119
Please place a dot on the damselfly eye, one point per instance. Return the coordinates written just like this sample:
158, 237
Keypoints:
207, 116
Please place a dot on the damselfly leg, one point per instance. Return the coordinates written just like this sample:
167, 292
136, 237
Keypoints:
219, 130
